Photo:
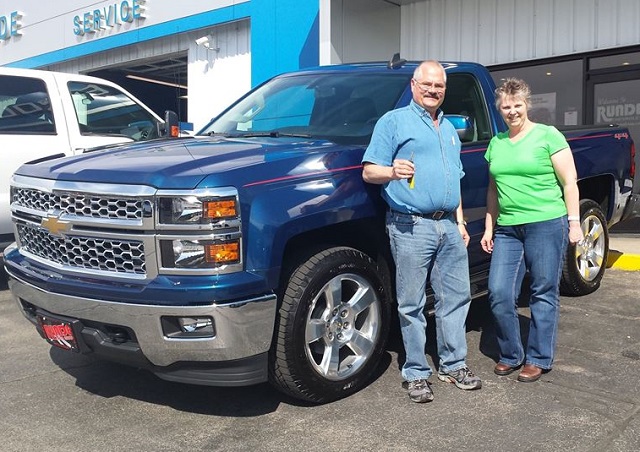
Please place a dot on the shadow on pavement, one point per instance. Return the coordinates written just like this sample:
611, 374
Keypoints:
107, 379
3, 278
481, 319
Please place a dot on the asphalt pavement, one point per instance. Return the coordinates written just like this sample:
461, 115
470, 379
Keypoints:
590, 402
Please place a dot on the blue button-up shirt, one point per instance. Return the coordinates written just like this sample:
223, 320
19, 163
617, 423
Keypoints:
409, 133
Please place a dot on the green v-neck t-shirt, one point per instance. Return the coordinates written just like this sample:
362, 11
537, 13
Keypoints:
528, 189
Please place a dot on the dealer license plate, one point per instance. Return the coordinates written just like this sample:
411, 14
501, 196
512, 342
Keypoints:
58, 332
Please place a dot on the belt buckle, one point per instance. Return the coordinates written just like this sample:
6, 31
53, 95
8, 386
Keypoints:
438, 214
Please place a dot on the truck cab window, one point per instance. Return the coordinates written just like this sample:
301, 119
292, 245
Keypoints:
25, 106
464, 97
104, 110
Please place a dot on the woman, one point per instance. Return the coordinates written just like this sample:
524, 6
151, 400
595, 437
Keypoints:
532, 195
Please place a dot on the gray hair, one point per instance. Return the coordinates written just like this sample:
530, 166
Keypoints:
418, 71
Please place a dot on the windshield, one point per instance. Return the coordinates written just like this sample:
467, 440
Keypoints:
334, 106
104, 110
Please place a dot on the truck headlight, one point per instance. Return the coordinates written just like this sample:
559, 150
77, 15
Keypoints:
192, 254
199, 231
190, 210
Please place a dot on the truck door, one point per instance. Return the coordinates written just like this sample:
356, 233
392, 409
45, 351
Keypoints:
464, 96
32, 126
103, 114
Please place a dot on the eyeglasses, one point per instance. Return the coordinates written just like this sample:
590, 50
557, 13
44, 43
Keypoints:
430, 86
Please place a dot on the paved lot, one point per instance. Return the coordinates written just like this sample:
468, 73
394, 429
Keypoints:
52, 400
624, 251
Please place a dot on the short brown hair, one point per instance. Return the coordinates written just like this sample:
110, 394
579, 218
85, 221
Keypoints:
513, 87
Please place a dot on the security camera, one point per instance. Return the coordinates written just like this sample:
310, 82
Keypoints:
203, 41
208, 42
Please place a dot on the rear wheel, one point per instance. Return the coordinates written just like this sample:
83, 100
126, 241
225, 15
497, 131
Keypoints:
331, 328
585, 263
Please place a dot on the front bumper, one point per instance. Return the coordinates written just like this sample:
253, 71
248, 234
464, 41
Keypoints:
236, 355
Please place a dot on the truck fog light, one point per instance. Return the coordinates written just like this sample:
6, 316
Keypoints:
188, 327
195, 324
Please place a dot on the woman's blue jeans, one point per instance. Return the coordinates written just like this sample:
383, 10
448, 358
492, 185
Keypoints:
539, 248
419, 246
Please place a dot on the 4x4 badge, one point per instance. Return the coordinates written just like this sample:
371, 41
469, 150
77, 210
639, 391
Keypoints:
55, 226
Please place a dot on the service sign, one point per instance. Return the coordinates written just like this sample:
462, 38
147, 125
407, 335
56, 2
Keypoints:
108, 17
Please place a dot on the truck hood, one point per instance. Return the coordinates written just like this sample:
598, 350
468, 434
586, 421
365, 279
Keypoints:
178, 163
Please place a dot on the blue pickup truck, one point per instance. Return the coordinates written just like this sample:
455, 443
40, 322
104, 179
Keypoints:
254, 251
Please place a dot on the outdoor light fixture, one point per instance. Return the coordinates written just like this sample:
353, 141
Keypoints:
208, 42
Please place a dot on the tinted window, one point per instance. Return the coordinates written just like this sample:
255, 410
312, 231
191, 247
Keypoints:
464, 97
103, 110
556, 91
25, 106
334, 106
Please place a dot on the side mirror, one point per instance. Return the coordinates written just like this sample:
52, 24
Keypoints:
464, 126
170, 128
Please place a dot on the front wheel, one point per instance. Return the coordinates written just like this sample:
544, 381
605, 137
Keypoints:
331, 327
585, 263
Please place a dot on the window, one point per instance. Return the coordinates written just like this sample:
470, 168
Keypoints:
104, 110
464, 97
335, 106
556, 91
619, 61
25, 106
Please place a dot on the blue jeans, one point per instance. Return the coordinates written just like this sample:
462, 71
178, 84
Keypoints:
421, 247
540, 249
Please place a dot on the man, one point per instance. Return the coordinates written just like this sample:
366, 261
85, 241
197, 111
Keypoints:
415, 155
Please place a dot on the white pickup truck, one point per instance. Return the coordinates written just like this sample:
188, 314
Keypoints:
43, 114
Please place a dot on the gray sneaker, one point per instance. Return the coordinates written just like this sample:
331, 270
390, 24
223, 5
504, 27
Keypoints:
420, 391
462, 378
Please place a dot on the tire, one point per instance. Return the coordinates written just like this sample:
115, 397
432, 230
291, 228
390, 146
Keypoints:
331, 328
585, 263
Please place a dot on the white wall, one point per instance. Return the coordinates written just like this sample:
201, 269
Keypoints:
48, 25
486, 31
503, 31
358, 30
215, 78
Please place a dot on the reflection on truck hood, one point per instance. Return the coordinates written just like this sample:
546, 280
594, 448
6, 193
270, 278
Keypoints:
178, 163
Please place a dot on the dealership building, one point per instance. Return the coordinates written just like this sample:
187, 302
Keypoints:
581, 57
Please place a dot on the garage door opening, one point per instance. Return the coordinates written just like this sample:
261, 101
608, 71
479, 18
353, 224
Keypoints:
159, 83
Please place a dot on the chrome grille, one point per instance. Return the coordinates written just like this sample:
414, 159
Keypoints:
94, 206
121, 256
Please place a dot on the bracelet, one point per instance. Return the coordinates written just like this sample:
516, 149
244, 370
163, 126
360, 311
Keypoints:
573, 218
462, 222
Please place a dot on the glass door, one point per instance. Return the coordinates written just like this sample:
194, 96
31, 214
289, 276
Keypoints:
614, 98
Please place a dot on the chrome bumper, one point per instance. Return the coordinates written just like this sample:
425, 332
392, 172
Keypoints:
242, 329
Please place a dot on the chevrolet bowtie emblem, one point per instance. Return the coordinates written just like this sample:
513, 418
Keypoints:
55, 226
